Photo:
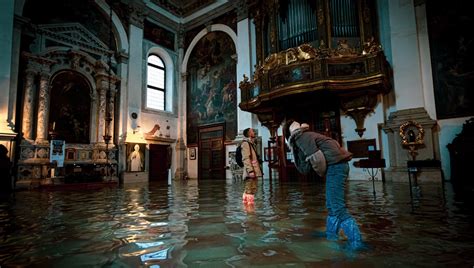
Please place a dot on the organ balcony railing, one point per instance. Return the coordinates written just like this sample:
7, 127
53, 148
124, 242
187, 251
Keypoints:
304, 48
357, 76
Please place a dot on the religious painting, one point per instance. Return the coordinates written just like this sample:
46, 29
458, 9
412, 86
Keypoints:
192, 153
57, 147
70, 108
159, 35
70, 154
135, 157
452, 57
57, 152
212, 89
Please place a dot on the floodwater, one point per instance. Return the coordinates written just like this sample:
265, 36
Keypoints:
205, 224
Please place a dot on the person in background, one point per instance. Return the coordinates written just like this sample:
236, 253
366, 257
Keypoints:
5, 170
324, 155
252, 169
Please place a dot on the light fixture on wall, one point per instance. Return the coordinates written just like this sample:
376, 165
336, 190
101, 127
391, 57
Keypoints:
135, 127
358, 108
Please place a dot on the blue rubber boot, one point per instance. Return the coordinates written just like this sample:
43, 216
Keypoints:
351, 230
332, 228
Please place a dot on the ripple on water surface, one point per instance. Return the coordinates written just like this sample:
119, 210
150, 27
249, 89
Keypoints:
190, 224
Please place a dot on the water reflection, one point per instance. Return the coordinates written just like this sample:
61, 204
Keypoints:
191, 224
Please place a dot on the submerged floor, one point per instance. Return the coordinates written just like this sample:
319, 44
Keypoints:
204, 224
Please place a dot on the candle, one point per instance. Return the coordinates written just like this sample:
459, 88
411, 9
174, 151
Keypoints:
54, 125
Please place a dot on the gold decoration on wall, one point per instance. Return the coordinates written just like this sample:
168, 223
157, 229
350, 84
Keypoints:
358, 108
343, 49
292, 55
246, 87
371, 47
306, 52
412, 135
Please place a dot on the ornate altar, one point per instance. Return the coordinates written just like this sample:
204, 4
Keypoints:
69, 94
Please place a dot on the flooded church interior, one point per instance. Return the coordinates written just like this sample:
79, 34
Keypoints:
121, 123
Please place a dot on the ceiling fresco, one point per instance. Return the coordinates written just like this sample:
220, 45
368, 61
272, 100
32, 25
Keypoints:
183, 8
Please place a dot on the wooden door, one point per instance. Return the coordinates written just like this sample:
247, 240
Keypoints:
160, 160
211, 152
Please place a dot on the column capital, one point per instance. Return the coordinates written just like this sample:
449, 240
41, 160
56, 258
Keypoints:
37, 63
30, 72
44, 75
137, 14
208, 26
122, 56
241, 7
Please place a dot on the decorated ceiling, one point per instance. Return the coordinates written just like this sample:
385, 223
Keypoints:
183, 8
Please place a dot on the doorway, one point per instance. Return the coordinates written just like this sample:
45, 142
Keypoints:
211, 152
160, 162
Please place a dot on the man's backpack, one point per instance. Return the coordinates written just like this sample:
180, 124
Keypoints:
238, 156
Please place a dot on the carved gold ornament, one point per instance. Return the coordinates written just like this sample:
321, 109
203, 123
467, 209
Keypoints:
412, 133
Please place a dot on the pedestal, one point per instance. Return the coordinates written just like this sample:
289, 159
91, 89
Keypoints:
399, 155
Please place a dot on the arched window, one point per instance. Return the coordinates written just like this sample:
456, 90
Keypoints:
156, 84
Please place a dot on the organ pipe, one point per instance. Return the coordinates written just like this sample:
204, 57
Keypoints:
299, 24
344, 18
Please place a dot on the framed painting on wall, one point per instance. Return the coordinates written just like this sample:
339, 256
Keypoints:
70, 154
192, 153
135, 157
452, 57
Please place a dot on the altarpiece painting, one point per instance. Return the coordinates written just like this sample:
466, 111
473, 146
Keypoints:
452, 57
212, 89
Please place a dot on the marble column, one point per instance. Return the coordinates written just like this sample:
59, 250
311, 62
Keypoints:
28, 101
43, 109
181, 163
135, 75
113, 92
102, 86
405, 52
244, 67
409, 92
136, 18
